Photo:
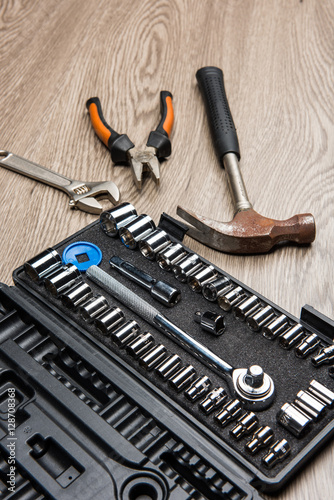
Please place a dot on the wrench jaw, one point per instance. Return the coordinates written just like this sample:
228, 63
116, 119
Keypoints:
85, 196
255, 398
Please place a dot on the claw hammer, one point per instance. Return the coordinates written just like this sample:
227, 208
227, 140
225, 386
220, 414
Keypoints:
248, 232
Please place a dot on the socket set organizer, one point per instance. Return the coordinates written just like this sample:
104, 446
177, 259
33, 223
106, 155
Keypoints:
139, 368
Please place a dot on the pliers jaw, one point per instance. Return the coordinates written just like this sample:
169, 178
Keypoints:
123, 150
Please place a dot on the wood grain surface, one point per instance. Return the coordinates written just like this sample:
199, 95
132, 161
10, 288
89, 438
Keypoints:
277, 59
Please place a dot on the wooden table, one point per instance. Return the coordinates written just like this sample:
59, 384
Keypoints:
277, 59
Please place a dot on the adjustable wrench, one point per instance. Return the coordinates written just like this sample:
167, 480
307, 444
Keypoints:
83, 195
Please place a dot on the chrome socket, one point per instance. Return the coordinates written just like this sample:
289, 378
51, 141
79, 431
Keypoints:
42, 265
186, 267
135, 230
310, 405
213, 400
76, 295
93, 308
276, 327
112, 220
231, 411
290, 338
140, 345
153, 357
168, 366
309, 344
245, 425
125, 333
260, 318
324, 356
62, 279
210, 322
198, 388
294, 420
277, 453
233, 297
109, 320
322, 393
260, 439
155, 242
170, 256
214, 288
182, 378
246, 307
201, 278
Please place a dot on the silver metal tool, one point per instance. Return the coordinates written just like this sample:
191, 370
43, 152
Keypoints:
62, 279
135, 230
321, 392
161, 291
261, 438
276, 327
324, 356
198, 388
246, 307
227, 300
260, 318
83, 195
246, 424
76, 295
107, 321
309, 344
93, 308
170, 256
199, 279
310, 405
210, 322
115, 218
277, 453
292, 336
186, 266
182, 378
254, 388
43, 264
168, 366
125, 333
153, 357
213, 289
140, 344
231, 411
154, 243
213, 400
294, 420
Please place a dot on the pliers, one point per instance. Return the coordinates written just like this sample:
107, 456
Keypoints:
122, 148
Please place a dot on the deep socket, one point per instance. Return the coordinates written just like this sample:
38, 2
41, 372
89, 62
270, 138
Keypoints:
246, 307
292, 336
135, 230
168, 366
109, 320
93, 308
186, 267
310, 405
112, 220
140, 344
246, 424
76, 295
232, 297
294, 420
155, 242
321, 392
213, 400
171, 256
153, 357
198, 388
308, 345
277, 453
260, 439
161, 291
275, 327
62, 279
182, 378
125, 333
43, 264
260, 318
230, 412
324, 356
199, 279
213, 289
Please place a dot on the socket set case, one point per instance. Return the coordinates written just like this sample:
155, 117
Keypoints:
95, 418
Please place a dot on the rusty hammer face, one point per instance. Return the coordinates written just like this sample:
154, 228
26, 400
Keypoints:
248, 231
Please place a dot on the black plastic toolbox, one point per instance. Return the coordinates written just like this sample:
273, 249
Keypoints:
90, 421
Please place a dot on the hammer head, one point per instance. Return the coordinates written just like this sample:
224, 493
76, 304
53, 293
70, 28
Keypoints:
249, 232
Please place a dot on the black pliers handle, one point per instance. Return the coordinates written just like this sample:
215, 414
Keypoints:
122, 148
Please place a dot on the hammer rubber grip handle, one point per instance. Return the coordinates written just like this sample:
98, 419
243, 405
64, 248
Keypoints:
211, 83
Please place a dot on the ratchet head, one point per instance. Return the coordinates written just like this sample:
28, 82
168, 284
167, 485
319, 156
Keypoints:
85, 196
253, 387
